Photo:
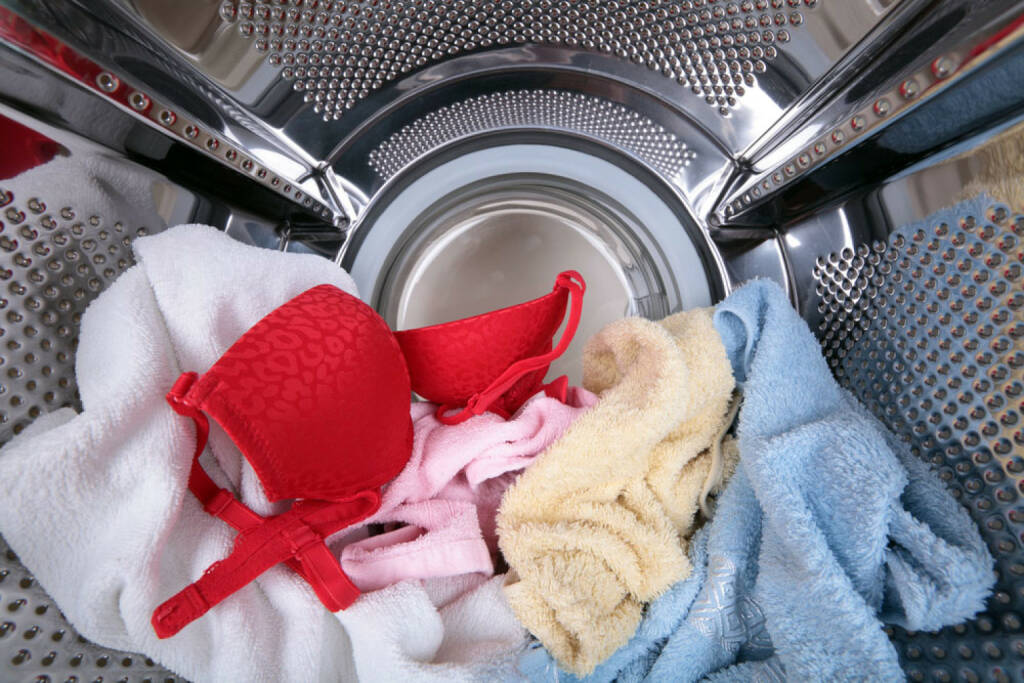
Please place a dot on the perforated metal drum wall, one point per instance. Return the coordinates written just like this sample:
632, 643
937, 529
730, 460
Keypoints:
60, 249
59, 261
926, 330
39, 645
550, 110
336, 53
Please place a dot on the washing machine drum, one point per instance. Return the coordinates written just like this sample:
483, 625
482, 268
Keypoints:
452, 156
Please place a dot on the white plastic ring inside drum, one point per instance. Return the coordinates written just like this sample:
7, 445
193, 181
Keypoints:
681, 266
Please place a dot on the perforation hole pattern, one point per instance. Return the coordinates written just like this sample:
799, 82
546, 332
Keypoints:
548, 109
39, 645
54, 260
927, 330
337, 52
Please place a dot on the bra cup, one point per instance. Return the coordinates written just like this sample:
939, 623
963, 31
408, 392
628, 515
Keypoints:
450, 363
316, 396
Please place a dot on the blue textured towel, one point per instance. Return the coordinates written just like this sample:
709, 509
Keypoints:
828, 529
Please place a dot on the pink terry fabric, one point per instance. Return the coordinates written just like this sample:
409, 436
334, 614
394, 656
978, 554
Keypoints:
447, 496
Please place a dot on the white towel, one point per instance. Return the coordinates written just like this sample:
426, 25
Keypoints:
96, 505
459, 628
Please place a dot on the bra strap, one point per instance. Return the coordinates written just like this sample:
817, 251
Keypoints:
313, 561
299, 532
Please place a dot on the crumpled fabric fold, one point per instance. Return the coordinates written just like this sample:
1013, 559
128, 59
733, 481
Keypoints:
447, 496
829, 529
596, 527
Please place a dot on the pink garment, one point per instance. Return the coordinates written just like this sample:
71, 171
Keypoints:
448, 495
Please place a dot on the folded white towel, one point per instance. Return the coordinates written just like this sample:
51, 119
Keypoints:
96, 504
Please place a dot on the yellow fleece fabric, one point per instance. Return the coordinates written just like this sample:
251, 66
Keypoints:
996, 168
597, 526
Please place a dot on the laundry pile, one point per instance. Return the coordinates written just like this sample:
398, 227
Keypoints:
267, 483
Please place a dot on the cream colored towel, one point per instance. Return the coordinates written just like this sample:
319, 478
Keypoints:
596, 527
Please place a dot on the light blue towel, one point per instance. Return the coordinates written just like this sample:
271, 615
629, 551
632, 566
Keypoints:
828, 529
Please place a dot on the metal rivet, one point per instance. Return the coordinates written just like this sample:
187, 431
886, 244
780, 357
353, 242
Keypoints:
191, 132
943, 67
858, 122
212, 144
909, 89
168, 117
228, 11
838, 137
882, 107
804, 159
231, 155
819, 148
139, 101
107, 82
247, 164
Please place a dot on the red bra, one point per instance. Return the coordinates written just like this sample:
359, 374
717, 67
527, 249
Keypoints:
321, 376
316, 397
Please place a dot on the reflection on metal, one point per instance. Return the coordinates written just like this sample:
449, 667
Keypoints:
666, 262
736, 65
61, 57
337, 53
548, 110
978, 36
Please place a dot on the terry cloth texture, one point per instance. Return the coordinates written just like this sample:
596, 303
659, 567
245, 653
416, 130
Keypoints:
596, 527
96, 504
829, 529
448, 494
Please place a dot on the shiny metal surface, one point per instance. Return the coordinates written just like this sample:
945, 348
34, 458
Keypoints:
510, 237
549, 110
950, 43
702, 101
659, 249
28, 88
269, 73
575, 111
146, 107
736, 64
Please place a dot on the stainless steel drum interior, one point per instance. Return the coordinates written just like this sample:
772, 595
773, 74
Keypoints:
685, 145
